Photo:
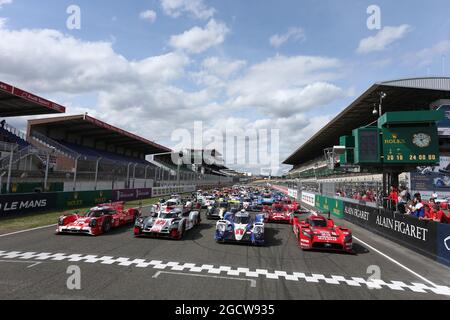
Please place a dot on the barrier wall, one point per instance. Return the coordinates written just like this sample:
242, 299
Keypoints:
81, 199
18, 204
167, 191
13, 204
419, 235
428, 238
332, 205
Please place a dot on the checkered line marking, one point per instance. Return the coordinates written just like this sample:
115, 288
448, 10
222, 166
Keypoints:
225, 270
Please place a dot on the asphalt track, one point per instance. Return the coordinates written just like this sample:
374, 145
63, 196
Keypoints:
33, 265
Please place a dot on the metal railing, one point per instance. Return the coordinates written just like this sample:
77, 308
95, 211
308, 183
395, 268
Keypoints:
15, 131
52, 144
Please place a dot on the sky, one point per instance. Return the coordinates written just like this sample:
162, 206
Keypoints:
155, 67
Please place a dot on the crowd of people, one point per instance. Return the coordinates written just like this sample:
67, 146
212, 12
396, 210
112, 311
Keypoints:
414, 206
360, 192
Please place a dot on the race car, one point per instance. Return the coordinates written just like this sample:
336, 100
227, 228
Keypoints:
217, 211
240, 227
320, 233
175, 203
172, 224
97, 220
279, 213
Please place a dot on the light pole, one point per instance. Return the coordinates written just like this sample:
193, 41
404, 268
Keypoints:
382, 95
96, 172
75, 173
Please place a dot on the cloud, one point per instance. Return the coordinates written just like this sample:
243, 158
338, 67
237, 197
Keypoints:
149, 96
197, 40
427, 56
148, 15
294, 34
3, 2
283, 86
215, 72
196, 8
383, 38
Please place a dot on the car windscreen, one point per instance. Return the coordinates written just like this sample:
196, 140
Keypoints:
98, 213
168, 215
170, 204
318, 223
241, 220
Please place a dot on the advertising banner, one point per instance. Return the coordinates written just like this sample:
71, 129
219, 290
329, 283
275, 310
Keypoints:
426, 180
406, 230
443, 244
309, 198
80, 199
145, 193
326, 204
13, 204
124, 195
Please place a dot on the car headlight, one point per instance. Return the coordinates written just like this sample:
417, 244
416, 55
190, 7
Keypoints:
93, 223
221, 228
258, 230
307, 234
348, 238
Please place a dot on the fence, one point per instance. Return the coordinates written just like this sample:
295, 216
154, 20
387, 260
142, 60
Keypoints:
31, 166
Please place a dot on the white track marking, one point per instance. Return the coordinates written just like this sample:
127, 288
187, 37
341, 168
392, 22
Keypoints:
227, 271
252, 282
28, 230
33, 263
395, 261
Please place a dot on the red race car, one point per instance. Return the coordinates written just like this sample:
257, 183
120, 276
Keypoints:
98, 220
278, 212
318, 232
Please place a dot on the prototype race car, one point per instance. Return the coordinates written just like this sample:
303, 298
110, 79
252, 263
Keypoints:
240, 227
172, 224
98, 220
318, 232
279, 213
217, 211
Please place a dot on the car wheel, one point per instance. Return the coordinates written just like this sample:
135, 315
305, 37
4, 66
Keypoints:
181, 233
106, 226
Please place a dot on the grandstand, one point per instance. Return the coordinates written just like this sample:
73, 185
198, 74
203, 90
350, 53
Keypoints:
310, 165
206, 165
14, 147
91, 153
79, 153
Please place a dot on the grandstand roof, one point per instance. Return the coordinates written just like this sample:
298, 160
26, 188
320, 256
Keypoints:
15, 102
87, 126
402, 95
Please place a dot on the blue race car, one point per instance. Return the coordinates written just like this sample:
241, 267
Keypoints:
240, 227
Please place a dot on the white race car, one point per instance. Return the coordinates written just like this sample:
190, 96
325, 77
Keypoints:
172, 224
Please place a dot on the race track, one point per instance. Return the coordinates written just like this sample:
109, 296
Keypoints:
33, 265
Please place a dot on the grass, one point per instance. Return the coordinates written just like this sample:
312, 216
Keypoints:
35, 220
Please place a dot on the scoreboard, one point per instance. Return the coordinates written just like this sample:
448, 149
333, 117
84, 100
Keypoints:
411, 145
400, 138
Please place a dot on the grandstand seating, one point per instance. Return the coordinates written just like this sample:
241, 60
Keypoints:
96, 153
8, 136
